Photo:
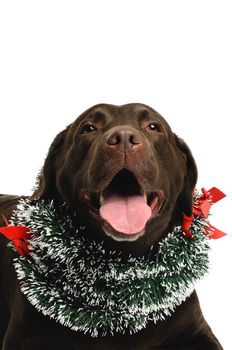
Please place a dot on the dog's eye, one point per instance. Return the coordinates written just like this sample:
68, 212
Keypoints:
87, 128
154, 127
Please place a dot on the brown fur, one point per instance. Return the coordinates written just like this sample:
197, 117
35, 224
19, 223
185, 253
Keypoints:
80, 161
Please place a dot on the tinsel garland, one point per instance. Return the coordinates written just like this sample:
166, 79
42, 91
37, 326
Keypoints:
76, 282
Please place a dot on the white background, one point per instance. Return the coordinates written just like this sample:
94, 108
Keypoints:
58, 58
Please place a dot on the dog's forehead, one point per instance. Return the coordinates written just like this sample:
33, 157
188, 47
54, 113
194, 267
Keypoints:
132, 112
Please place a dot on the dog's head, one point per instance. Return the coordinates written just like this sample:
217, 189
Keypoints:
124, 171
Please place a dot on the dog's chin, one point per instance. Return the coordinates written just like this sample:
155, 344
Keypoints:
120, 236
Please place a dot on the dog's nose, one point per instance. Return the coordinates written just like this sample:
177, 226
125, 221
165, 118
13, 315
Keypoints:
124, 139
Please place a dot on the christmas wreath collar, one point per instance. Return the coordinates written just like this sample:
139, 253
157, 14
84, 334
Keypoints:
76, 282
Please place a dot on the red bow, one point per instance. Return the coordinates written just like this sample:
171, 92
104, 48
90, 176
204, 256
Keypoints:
201, 208
19, 236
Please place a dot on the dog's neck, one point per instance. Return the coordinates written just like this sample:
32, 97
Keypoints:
73, 279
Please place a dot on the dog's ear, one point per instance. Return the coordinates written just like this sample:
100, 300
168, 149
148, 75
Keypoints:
46, 181
185, 200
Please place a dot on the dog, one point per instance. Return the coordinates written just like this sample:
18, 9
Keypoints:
111, 163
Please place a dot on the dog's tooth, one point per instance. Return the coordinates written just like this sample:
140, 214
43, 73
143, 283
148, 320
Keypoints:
145, 197
101, 198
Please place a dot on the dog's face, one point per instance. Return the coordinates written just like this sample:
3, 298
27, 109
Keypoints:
124, 170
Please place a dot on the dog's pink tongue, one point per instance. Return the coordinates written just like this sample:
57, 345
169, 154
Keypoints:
126, 214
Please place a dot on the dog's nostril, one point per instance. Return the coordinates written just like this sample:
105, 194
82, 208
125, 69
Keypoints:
113, 139
124, 139
134, 139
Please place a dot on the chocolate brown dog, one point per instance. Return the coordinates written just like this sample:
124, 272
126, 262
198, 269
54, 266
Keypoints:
131, 179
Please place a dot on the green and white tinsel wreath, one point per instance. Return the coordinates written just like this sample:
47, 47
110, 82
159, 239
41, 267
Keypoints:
76, 282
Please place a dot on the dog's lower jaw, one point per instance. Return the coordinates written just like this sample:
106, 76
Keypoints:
119, 236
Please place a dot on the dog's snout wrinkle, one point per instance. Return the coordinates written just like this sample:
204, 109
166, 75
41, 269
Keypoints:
124, 139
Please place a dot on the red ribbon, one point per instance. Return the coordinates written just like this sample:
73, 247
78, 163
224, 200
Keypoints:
19, 236
201, 208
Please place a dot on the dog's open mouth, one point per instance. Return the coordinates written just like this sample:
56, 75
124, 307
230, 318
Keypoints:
124, 206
